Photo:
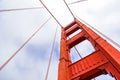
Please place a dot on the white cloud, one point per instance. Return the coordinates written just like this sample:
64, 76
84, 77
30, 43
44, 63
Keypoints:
16, 27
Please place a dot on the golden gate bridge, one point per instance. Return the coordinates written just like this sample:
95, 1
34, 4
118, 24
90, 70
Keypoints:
107, 61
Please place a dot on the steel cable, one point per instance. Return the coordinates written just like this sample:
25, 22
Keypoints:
76, 2
69, 9
51, 13
115, 43
50, 59
1, 67
20, 9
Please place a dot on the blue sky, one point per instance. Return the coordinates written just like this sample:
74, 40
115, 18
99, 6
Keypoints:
31, 62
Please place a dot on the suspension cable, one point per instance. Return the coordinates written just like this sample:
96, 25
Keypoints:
50, 59
51, 13
69, 9
20, 9
115, 43
80, 56
76, 2
1, 67
77, 52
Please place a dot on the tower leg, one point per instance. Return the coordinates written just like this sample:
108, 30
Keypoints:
113, 71
63, 72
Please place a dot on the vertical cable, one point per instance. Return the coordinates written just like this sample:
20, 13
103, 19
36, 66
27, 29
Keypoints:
50, 59
78, 52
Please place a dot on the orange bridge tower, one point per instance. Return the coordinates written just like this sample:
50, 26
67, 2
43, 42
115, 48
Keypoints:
104, 60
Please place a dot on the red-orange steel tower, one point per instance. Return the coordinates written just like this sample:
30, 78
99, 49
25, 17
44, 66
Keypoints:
104, 60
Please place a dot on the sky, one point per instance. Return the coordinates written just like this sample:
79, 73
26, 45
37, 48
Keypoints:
31, 62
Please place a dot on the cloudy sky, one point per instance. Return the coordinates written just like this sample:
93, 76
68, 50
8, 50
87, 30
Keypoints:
31, 62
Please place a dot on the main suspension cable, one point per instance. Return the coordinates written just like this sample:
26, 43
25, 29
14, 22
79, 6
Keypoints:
1, 67
20, 9
115, 43
50, 59
69, 9
51, 13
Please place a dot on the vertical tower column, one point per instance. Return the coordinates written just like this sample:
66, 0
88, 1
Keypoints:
104, 60
63, 72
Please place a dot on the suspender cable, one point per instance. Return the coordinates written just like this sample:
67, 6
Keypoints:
115, 43
77, 52
50, 59
20, 9
80, 55
69, 9
51, 13
1, 67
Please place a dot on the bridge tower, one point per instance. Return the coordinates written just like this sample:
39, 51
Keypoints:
104, 60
